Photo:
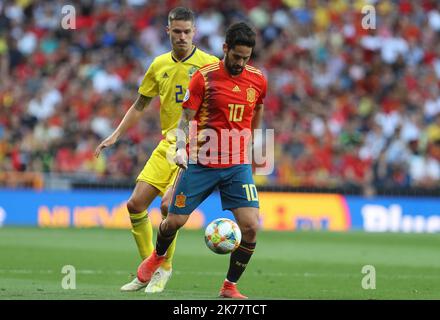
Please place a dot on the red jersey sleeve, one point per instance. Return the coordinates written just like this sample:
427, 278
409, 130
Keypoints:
195, 92
263, 91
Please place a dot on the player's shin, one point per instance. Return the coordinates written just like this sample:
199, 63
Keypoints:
164, 239
239, 260
142, 232
170, 254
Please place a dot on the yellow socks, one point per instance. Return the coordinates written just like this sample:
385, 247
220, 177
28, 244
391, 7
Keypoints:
143, 233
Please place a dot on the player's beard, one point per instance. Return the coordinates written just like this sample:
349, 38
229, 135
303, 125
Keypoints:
234, 70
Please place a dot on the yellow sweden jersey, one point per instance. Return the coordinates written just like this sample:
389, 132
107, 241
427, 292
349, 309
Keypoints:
168, 78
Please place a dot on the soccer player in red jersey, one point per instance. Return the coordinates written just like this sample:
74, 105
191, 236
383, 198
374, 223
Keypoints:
226, 101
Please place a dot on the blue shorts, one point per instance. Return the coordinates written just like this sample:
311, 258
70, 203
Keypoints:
196, 183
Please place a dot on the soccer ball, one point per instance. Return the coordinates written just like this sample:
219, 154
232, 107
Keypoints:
222, 236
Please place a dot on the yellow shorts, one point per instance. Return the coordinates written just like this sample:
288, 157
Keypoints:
159, 171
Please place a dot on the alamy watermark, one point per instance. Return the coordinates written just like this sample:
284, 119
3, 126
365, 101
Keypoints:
229, 147
369, 18
68, 20
69, 280
369, 280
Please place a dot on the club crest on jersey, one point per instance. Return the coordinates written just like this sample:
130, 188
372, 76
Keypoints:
250, 95
180, 201
191, 71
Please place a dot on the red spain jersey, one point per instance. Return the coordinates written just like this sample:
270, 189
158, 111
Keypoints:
225, 107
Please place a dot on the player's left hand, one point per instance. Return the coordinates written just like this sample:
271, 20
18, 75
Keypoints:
181, 158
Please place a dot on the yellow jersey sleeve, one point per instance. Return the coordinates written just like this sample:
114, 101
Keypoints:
149, 86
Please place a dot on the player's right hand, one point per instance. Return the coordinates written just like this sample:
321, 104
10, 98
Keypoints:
181, 159
104, 144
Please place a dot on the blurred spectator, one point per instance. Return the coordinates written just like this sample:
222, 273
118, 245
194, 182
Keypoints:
350, 107
424, 170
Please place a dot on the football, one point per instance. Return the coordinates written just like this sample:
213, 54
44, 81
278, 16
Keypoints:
222, 236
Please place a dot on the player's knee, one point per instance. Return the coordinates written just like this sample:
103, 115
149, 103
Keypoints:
135, 206
165, 229
175, 225
169, 227
165, 203
175, 222
249, 231
164, 208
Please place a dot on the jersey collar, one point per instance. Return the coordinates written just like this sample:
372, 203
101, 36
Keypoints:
186, 58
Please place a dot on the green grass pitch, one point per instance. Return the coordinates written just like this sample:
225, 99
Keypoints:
286, 265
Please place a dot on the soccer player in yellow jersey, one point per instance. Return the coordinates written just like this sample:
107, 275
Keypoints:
167, 77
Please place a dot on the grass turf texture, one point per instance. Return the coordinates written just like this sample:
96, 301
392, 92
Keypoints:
286, 265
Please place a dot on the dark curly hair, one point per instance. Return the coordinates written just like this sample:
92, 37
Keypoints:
240, 34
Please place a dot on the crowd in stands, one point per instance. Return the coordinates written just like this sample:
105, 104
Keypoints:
354, 99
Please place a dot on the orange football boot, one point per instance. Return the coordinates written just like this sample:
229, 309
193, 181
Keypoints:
147, 268
229, 290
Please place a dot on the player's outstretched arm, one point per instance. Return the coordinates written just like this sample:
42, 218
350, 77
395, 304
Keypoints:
130, 119
181, 158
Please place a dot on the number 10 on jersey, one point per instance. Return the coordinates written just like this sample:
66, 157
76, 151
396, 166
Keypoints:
235, 112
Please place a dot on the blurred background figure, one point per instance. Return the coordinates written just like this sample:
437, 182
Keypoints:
352, 107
